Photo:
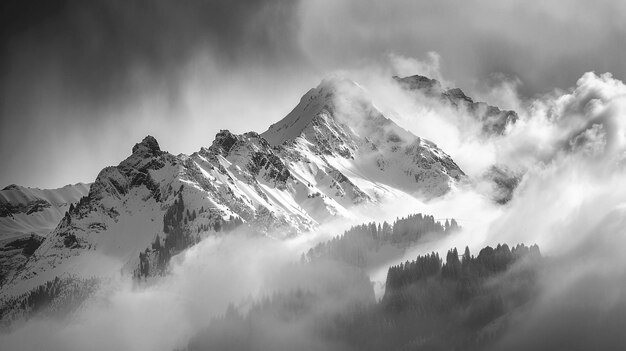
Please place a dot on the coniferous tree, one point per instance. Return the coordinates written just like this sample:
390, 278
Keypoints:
466, 255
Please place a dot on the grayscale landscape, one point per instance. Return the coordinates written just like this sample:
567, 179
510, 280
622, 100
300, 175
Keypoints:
312, 175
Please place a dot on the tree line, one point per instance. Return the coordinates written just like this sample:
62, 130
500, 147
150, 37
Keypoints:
357, 243
56, 297
429, 304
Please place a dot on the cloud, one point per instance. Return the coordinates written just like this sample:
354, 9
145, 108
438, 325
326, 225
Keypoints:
546, 46
587, 116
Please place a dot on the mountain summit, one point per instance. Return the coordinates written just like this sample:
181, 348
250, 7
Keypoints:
148, 145
338, 121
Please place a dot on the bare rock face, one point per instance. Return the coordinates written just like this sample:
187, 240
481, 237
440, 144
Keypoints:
148, 145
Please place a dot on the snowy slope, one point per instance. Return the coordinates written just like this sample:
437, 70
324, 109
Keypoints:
27, 215
337, 127
32, 210
129, 206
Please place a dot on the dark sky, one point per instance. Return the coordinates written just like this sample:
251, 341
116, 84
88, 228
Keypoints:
82, 81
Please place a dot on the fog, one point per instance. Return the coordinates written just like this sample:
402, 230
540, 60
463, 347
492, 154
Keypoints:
164, 312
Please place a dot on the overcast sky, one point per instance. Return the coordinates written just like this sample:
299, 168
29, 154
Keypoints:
82, 81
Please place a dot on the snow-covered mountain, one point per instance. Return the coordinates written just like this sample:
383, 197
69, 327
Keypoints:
27, 216
338, 125
32, 210
334, 151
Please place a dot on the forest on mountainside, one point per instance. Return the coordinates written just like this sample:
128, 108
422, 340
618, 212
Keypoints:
357, 245
429, 304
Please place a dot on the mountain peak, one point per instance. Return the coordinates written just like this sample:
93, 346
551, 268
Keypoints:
148, 145
224, 141
338, 119
321, 102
